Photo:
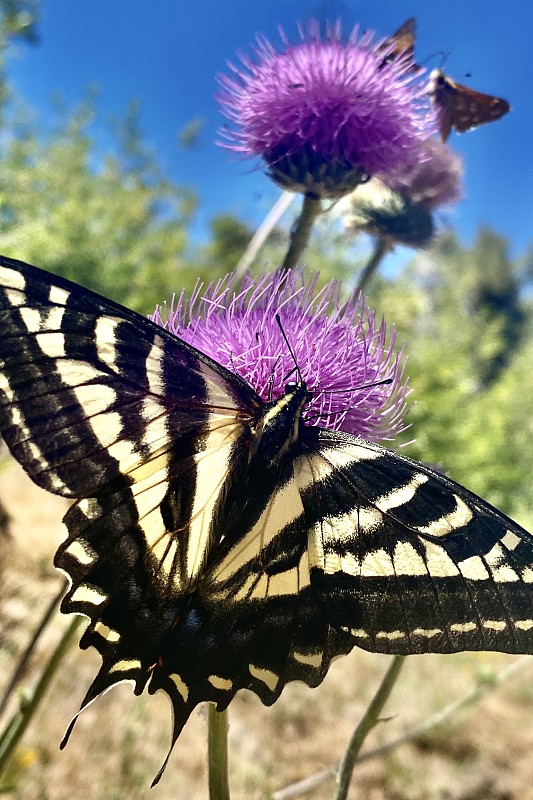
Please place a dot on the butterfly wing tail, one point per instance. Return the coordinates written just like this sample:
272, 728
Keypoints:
183, 703
110, 673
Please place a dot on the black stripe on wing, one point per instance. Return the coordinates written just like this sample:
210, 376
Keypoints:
250, 621
254, 621
89, 389
408, 560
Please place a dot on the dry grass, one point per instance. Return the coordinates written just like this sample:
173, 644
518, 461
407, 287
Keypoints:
120, 741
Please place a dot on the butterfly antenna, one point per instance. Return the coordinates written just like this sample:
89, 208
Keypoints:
289, 348
444, 56
319, 414
383, 382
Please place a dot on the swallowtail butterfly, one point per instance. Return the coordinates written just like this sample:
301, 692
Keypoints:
462, 108
218, 543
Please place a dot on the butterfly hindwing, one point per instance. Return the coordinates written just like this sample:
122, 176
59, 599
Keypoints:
460, 107
253, 621
410, 561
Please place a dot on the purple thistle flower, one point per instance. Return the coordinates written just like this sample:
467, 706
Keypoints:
433, 180
339, 348
399, 206
325, 114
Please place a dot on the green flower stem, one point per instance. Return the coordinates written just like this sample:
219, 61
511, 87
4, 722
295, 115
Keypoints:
369, 721
217, 753
439, 718
451, 710
381, 247
11, 726
23, 661
301, 232
23, 716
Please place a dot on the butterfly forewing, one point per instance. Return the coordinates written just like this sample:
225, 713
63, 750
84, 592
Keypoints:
89, 393
460, 107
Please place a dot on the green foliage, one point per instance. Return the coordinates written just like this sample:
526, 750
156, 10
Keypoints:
109, 220
189, 135
18, 23
489, 285
19, 20
469, 338
229, 239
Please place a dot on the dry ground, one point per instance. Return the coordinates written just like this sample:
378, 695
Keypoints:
120, 741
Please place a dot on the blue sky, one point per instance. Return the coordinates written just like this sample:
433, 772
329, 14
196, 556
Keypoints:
166, 54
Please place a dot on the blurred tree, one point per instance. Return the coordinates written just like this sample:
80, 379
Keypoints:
229, 238
18, 22
468, 334
490, 285
111, 220
19, 19
106, 217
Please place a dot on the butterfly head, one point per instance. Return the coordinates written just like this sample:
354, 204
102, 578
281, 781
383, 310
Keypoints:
437, 78
292, 403
298, 392
281, 422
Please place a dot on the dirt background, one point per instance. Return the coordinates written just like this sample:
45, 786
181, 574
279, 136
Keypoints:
485, 753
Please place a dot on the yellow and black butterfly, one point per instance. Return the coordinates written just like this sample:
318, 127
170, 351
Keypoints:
217, 542
460, 107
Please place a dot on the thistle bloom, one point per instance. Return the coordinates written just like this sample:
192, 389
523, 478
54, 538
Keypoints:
339, 348
325, 114
399, 206
433, 180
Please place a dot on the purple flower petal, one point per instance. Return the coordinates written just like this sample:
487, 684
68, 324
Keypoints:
339, 347
326, 99
434, 180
